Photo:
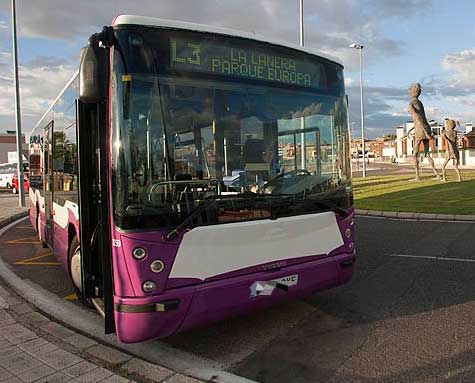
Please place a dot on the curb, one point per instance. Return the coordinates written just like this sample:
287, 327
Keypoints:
416, 216
89, 324
13, 218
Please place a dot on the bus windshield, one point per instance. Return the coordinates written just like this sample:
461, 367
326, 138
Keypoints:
266, 138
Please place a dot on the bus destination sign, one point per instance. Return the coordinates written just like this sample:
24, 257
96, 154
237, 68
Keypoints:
258, 64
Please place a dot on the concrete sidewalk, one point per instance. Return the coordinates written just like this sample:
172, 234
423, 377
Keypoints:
34, 348
9, 206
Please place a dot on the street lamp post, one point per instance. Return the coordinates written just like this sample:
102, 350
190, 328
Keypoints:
360, 48
303, 144
21, 191
437, 140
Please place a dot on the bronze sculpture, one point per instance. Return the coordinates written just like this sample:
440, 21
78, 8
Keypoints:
452, 149
422, 130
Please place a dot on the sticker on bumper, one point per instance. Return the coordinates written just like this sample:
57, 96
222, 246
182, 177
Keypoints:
268, 287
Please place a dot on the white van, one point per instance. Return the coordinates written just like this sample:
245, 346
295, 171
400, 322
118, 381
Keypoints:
6, 175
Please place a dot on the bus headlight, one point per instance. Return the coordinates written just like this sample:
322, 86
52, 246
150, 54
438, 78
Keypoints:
157, 266
348, 233
148, 286
139, 253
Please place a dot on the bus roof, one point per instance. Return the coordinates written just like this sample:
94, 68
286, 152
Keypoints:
156, 22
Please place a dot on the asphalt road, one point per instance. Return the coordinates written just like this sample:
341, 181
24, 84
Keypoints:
408, 315
22, 250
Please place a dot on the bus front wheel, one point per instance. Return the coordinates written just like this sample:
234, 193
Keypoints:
75, 271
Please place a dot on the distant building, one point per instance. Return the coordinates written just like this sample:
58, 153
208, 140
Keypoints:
437, 145
469, 127
380, 147
8, 146
469, 140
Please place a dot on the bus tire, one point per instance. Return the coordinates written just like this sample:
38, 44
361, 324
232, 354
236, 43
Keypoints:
43, 243
8, 185
74, 268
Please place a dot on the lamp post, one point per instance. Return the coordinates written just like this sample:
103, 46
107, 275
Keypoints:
303, 144
360, 48
21, 191
436, 138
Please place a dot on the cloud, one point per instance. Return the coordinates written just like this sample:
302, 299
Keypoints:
452, 93
330, 26
462, 66
397, 9
5, 59
39, 86
46, 61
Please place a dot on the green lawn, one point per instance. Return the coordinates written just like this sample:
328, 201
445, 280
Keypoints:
398, 193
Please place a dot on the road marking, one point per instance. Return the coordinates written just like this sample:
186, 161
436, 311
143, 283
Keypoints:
431, 257
71, 297
32, 261
31, 239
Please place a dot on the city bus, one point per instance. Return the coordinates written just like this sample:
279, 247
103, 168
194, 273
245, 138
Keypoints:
188, 174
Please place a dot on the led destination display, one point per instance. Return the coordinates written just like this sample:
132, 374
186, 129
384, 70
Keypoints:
259, 64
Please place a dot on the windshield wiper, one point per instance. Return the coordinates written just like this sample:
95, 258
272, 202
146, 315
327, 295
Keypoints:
202, 206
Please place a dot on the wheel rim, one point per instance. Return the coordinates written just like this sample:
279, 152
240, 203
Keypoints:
76, 268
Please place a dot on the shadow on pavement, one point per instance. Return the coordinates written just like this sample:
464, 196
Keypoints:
387, 301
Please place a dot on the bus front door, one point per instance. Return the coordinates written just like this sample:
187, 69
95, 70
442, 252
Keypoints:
96, 264
48, 184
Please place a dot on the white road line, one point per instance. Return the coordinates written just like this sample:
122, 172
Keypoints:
429, 257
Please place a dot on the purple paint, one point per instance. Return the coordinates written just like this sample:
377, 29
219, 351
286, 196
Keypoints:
137, 327
200, 302
214, 301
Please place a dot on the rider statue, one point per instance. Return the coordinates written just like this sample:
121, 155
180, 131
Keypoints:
422, 130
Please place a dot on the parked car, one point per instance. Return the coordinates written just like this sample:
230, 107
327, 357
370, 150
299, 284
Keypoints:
26, 183
6, 180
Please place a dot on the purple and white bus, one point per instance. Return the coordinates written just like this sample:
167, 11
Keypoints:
188, 173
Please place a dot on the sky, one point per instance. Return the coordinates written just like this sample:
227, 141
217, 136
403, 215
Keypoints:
405, 41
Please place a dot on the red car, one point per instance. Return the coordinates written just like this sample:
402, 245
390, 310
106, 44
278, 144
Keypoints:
26, 183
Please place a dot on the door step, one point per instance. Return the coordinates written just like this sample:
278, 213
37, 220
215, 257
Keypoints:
99, 306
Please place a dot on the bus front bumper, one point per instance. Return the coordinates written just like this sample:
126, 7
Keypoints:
180, 309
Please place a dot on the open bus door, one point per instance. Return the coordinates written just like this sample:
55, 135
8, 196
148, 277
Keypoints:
94, 193
96, 267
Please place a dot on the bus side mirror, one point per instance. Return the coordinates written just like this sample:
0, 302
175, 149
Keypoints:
93, 67
92, 74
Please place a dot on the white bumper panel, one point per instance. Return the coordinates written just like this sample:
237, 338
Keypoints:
213, 250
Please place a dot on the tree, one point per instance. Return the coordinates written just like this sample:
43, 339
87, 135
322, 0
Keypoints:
389, 136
